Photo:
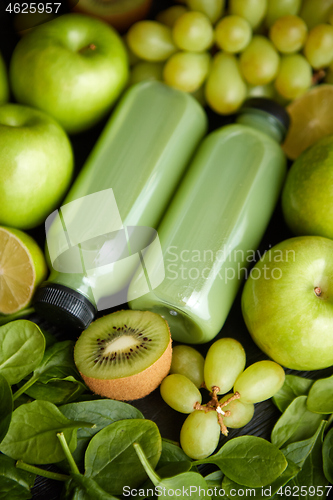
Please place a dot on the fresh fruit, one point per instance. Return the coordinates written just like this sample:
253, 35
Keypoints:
189, 362
319, 46
315, 12
288, 34
186, 70
260, 381
22, 269
225, 360
73, 67
36, 166
170, 15
4, 89
240, 413
193, 31
225, 89
233, 34
260, 61
213, 9
180, 393
294, 77
311, 119
151, 41
287, 303
252, 10
124, 355
279, 8
145, 70
119, 13
200, 434
307, 197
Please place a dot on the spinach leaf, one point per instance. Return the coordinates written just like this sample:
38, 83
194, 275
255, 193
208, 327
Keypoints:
32, 434
15, 484
8, 318
57, 391
320, 398
102, 412
22, 348
268, 491
311, 476
295, 424
249, 460
111, 460
91, 490
293, 387
328, 456
214, 483
299, 451
6, 406
171, 453
185, 484
174, 468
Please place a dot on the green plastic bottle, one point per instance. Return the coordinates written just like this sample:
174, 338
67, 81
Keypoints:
122, 190
215, 223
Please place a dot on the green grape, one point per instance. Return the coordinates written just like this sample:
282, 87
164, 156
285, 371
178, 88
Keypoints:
241, 413
259, 62
329, 75
261, 91
193, 31
170, 15
180, 393
145, 70
259, 381
186, 70
225, 360
319, 46
189, 362
233, 34
288, 34
199, 95
294, 76
280, 8
315, 11
212, 8
225, 88
150, 40
252, 10
200, 434
330, 16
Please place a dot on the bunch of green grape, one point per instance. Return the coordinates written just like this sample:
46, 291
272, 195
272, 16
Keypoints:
221, 372
224, 51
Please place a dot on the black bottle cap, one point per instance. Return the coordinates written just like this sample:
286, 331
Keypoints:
268, 106
63, 306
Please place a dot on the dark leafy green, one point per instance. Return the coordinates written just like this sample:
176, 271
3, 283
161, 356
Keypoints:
328, 456
214, 484
171, 452
182, 485
231, 488
320, 398
31, 436
22, 348
90, 489
19, 314
6, 406
249, 460
102, 413
293, 387
300, 450
295, 424
15, 484
111, 460
57, 391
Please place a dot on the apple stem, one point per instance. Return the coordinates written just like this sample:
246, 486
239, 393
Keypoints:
317, 291
91, 46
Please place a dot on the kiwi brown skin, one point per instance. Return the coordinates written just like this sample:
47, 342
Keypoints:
136, 386
102, 333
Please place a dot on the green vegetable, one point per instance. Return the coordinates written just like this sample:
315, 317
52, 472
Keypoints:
15, 484
320, 398
293, 386
32, 433
249, 460
102, 413
173, 485
299, 451
22, 348
6, 406
91, 490
296, 423
57, 391
111, 460
328, 456
171, 453
8, 318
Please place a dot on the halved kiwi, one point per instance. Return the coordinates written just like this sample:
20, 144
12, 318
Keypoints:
124, 355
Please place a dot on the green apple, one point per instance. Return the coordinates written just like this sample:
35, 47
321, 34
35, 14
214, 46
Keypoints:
36, 166
73, 67
4, 89
307, 197
287, 303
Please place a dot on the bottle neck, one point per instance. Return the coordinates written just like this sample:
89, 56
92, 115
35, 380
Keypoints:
264, 122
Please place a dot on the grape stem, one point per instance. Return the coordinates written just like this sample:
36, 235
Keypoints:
214, 405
